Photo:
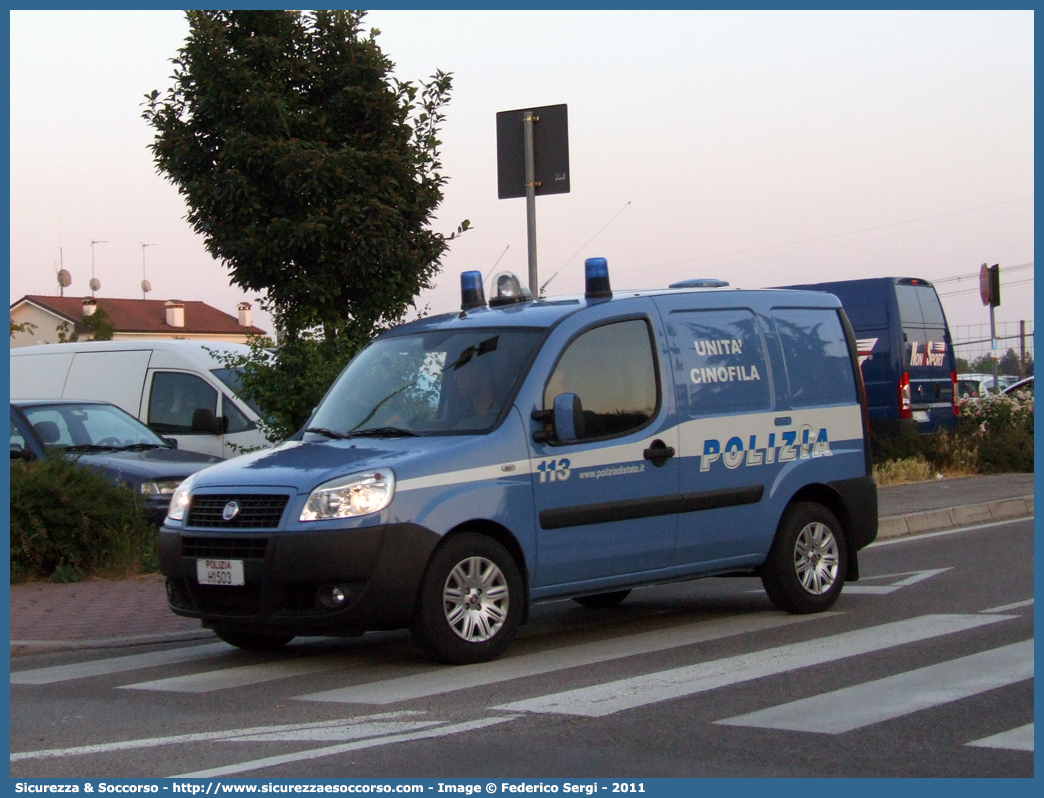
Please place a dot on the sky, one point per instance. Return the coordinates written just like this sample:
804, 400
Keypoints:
762, 148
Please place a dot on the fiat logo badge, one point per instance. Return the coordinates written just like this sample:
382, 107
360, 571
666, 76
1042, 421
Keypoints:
231, 511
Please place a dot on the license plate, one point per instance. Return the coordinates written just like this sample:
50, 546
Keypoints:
219, 572
920, 415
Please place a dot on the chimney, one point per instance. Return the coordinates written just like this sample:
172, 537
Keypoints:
89, 306
175, 313
244, 314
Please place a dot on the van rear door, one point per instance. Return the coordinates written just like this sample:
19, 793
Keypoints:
929, 354
111, 376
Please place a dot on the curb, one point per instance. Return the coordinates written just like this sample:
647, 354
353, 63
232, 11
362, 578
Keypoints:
23, 647
894, 526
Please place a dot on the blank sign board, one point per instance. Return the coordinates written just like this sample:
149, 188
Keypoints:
550, 151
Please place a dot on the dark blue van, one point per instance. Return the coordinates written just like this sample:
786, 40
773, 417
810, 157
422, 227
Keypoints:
464, 466
905, 351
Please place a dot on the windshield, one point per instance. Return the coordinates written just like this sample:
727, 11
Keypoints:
89, 426
431, 383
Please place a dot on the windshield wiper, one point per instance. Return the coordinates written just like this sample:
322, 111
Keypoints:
141, 447
91, 447
382, 432
329, 433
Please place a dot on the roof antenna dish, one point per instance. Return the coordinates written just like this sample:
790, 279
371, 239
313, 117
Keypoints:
95, 284
146, 286
64, 280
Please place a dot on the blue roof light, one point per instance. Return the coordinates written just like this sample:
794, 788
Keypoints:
596, 272
471, 293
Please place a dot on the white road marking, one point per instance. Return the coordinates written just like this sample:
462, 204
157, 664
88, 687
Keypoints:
104, 667
1020, 739
448, 679
1018, 605
873, 702
913, 577
243, 675
612, 697
230, 734
358, 745
940, 533
347, 730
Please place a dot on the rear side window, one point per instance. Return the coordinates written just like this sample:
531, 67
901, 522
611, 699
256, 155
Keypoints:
613, 370
815, 354
721, 357
924, 325
174, 398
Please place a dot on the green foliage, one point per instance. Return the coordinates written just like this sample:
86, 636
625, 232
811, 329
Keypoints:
99, 324
994, 435
24, 327
313, 174
69, 522
66, 333
1009, 364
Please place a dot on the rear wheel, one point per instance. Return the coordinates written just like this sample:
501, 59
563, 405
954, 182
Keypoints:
250, 641
470, 601
603, 599
806, 565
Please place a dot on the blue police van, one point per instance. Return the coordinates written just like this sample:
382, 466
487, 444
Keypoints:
465, 466
905, 350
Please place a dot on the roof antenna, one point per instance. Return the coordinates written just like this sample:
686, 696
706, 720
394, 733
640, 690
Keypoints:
502, 254
146, 286
540, 293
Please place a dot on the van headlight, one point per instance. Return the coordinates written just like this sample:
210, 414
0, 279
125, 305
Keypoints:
179, 500
350, 496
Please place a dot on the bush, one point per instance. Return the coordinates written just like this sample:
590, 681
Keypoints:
69, 522
1000, 427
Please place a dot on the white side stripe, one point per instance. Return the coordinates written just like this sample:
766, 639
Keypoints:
606, 699
842, 711
445, 680
1020, 739
103, 667
300, 756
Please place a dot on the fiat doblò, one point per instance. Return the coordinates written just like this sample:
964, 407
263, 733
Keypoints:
467, 465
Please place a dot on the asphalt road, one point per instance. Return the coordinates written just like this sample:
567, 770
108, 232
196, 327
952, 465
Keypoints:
924, 668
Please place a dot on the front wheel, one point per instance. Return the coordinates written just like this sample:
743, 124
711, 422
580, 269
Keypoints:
470, 601
806, 565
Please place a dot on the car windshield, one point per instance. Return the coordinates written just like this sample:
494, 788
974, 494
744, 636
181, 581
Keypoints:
441, 382
89, 426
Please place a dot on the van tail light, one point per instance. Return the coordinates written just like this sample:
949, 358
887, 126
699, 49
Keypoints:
904, 396
956, 404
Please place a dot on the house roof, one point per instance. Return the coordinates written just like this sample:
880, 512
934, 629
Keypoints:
145, 315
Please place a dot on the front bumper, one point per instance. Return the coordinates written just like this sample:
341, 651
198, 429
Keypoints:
379, 568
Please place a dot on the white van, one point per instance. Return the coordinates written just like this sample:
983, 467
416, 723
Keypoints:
180, 389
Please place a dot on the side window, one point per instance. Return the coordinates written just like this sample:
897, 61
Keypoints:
16, 435
816, 357
174, 398
721, 357
613, 370
237, 420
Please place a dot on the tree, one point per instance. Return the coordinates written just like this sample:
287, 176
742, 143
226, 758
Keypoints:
24, 327
313, 174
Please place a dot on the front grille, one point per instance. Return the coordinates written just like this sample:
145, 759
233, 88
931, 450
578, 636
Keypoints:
225, 548
256, 511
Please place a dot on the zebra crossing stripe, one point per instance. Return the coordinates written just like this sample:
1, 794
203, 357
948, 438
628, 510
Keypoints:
358, 745
611, 697
445, 680
104, 667
201, 737
241, 676
1020, 739
862, 705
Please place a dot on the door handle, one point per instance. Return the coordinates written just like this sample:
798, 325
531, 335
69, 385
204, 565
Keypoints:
658, 453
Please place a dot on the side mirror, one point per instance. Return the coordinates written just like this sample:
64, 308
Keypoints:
569, 418
18, 453
172, 441
204, 420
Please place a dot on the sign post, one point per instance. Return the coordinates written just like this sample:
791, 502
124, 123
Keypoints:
532, 160
989, 291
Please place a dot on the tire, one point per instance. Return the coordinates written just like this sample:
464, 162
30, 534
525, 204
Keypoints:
250, 641
470, 601
807, 563
601, 600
